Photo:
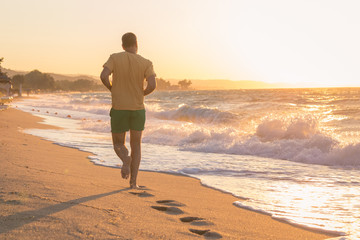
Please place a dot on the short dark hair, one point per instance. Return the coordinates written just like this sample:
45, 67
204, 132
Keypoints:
129, 40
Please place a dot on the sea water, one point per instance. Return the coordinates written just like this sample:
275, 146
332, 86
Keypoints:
293, 154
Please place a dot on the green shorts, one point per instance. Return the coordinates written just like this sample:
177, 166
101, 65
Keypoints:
123, 120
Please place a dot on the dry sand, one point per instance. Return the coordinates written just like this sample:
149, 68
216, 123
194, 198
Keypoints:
52, 192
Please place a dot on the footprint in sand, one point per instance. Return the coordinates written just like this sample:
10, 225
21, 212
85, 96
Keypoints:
169, 210
190, 219
206, 233
142, 194
201, 223
10, 202
172, 203
196, 221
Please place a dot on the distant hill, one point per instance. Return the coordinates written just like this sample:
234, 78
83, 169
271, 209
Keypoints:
196, 84
73, 77
229, 84
56, 76
11, 73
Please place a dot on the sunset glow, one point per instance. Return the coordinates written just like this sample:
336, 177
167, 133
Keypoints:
240, 118
301, 43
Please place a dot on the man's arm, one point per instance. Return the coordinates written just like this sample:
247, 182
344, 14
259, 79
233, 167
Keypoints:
151, 85
104, 76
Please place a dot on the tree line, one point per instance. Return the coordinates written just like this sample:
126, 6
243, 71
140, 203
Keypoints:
38, 81
3, 75
166, 85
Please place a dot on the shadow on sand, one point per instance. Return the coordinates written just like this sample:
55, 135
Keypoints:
11, 222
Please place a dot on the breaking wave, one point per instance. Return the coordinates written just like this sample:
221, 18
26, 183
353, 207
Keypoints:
298, 140
212, 130
197, 115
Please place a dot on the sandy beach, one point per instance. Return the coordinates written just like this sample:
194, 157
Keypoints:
53, 192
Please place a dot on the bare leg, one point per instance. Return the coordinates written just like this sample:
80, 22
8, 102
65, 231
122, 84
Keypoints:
122, 152
135, 143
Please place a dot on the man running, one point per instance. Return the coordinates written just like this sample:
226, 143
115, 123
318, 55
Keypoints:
129, 70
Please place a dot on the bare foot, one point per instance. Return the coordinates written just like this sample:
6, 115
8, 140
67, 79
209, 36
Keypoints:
125, 169
135, 186
123, 153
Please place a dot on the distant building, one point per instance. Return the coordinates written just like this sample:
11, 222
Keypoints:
5, 84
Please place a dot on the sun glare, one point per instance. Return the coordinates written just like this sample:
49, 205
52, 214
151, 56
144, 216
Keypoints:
302, 44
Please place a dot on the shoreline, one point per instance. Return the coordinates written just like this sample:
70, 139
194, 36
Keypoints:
240, 198
213, 205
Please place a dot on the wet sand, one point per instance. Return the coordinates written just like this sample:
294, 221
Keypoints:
53, 192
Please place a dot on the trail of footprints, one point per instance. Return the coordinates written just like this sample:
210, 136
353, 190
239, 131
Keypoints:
172, 207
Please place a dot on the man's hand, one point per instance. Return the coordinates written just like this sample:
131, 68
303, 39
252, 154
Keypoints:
104, 76
151, 85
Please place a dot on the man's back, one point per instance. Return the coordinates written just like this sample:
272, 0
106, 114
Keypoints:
129, 71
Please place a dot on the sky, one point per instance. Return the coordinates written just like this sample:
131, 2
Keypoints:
305, 43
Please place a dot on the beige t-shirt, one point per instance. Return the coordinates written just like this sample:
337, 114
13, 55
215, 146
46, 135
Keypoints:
129, 72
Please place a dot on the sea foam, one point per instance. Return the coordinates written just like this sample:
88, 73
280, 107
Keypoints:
298, 140
294, 137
